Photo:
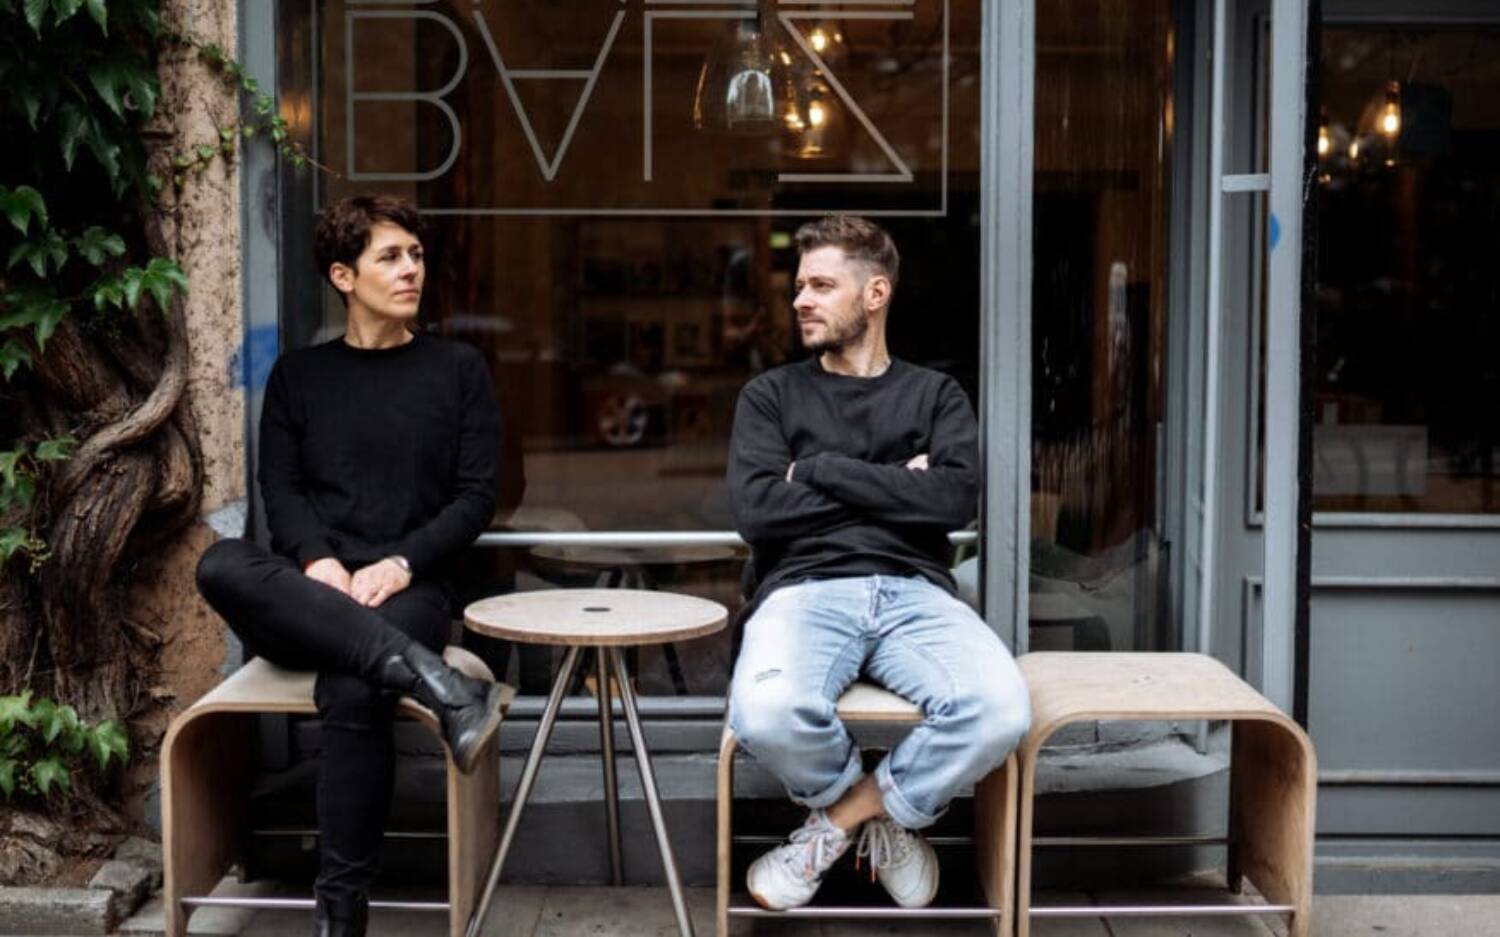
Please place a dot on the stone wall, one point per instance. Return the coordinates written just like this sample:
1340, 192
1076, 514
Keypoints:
205, 234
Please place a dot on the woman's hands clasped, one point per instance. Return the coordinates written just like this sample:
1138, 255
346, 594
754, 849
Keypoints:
369, 586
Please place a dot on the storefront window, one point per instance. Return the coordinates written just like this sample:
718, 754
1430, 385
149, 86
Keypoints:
1409, 171
1104, 127
613, 189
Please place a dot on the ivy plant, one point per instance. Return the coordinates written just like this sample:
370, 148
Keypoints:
44, 747
78, 83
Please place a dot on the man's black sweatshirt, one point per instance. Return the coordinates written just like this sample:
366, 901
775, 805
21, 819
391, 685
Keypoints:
369, 453
852, 507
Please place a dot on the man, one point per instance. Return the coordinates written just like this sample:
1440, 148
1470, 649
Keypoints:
377, 466
846, 472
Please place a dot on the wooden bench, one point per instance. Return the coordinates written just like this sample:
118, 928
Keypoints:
994, 833
1272, 783
205, 778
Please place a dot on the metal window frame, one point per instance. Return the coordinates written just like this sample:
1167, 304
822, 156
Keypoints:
277, 199
1008, 36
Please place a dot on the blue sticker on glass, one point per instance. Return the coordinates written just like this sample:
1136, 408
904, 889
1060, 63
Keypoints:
1275, 231
250, 367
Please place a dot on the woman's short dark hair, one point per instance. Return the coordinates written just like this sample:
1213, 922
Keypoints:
861, 240
343, 230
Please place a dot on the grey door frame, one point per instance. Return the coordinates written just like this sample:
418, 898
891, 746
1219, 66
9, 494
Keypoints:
1282, 183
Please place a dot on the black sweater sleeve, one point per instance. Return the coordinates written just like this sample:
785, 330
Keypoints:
766, 507
469, 513
294, 524
945, 495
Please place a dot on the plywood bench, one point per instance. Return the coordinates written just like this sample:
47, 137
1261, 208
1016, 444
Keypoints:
206, 772
994, 833
1273, 770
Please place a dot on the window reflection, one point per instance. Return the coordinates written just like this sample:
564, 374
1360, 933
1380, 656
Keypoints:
626, 270
1407, 296
1099, 308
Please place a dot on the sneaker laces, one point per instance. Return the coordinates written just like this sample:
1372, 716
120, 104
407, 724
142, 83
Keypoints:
884, 843
822, 843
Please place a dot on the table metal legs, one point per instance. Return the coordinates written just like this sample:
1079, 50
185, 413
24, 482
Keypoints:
523, 789
607, 755
648, 786
611, 789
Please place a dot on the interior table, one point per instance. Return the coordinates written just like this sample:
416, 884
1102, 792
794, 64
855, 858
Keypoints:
606, 620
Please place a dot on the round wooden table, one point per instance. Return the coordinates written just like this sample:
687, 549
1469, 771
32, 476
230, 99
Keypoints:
629, 568
606, 620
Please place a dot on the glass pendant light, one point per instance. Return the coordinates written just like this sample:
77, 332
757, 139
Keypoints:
745, 86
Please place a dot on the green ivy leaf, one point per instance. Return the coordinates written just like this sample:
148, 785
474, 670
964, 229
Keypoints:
132, 281
74, 127
10, 465
38, 308
16, 710
12, 541
8, 777
36, 10
19, 494
53, 720
12, 356
38, 251
57, 449
100, 14
97, 244
15, 744
44, 711
106, 740
64, 10
106, 153
115, 77
109, 292
161, 277
74, 735
47, 773
21, 204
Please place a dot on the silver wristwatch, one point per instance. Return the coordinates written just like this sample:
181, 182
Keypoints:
400, 561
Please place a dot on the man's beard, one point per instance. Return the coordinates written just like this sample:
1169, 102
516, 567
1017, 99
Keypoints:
842, 334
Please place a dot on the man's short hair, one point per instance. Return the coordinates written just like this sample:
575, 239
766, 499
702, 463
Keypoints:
861, 239
343, 230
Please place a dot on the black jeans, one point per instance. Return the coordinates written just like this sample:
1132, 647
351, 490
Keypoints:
298, 623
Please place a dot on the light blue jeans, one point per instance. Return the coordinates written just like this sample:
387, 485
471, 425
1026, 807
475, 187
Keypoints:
807, 642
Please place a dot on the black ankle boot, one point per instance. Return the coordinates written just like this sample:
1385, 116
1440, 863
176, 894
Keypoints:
345, 917
468, 709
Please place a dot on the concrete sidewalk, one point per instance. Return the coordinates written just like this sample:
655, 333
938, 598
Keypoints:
523, 911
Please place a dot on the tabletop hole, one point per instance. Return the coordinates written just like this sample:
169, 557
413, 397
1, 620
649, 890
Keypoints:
596, 608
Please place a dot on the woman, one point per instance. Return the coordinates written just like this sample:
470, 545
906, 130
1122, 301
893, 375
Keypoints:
378, 452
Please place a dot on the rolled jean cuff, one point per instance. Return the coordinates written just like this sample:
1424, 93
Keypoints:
854, 769
897, 807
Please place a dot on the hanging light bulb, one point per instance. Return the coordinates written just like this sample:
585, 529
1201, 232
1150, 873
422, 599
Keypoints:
1390, 114
1354, 149
817, 122
1325, 140
745, 85
826, 38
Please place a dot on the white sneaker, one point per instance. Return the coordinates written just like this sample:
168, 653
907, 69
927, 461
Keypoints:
789, 875
902, 860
